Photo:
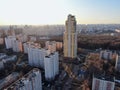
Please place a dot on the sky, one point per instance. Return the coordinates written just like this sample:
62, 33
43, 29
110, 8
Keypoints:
41, 12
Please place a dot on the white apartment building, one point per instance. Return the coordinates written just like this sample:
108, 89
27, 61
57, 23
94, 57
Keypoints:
25, 47
9, 41
36, 56
29, 44
17, 46
51, 63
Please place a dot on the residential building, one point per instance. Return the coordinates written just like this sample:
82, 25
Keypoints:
50, 46
51, 63
102, 84
117, 65
70, 38
36, 56
9, 41
8, 80
31, 81
17, 46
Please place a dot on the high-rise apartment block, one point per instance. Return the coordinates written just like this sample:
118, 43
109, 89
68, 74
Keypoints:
51, 66
117, 65
11, 78
17, 46
36, 56
101, 84
9, 41
31, 81
70, 38
30, 44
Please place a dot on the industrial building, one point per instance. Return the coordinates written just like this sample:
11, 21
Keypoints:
31, 81
70, 38
51, 63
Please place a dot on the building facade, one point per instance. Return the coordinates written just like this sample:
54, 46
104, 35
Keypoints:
100, 84
70, 38
9, 41
117, 65
36, 56
17, 46
51, 63
31, 81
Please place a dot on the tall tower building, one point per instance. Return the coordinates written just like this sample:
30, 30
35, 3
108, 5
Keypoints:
70, 38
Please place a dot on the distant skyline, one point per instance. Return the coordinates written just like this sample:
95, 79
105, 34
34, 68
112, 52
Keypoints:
42, 12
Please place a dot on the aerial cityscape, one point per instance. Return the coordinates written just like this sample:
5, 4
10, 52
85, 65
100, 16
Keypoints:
60, 45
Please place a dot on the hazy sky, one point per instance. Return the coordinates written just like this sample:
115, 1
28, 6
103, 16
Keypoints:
56, 11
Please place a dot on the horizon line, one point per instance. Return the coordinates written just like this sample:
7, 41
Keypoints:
54, 24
